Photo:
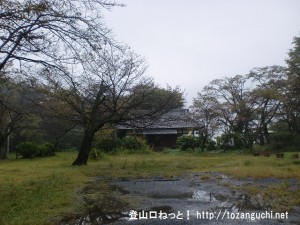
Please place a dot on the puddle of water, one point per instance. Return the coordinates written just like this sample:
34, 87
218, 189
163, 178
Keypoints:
117, 188
164, 195
223, 176
166, 180
245, 202
95, 218
203, 196
163, 208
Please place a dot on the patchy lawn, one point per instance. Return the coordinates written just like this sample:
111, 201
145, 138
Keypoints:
44, 190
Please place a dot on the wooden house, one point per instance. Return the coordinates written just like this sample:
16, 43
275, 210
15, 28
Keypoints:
162, 132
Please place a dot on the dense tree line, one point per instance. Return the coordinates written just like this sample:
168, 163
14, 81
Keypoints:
245, 108
61, 71
61, 109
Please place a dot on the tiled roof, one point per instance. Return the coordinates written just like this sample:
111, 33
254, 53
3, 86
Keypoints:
159, 131
174, 119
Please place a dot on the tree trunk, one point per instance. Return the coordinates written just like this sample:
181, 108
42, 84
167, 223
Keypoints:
266, 133
261, 139
3, 153
204, 141
85, 148
4, 137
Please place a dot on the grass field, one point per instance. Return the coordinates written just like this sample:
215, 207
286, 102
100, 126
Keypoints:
41, 190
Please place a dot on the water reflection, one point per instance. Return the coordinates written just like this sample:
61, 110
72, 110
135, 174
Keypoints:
203, 196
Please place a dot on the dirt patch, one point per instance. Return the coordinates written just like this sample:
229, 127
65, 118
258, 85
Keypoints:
197, 200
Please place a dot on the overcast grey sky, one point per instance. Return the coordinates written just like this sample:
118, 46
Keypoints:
189, 43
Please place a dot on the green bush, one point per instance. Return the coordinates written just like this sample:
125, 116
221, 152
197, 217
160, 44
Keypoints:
28, 149
284, 141
187, 142
211, 145
96, 154
46, 149
133, 143
233, 141
107, 144
31, 150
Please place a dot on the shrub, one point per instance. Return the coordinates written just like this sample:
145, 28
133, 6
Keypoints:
28, 149
95, 154
281, 141
211, 145
107, 144
31, 150
233, 141
187, 142
133, 143
46, 149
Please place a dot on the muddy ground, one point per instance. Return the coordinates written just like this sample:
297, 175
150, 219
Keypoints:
197, 198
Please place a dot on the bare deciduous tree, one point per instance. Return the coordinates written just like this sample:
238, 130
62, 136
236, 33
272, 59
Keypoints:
205, 113
267, 97
51, 33
102, 94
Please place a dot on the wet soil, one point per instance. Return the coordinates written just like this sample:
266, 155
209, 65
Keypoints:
196, 198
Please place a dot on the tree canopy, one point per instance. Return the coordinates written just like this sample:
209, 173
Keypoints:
51, 33
248, 106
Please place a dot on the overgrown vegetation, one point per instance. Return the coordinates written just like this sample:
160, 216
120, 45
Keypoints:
129, 143
133, 143
186, 143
